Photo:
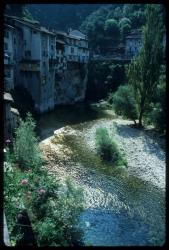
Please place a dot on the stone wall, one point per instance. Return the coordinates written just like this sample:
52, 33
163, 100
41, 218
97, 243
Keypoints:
70, 87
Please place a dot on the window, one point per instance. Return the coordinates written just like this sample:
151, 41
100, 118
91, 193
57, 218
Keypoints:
72, 50
34, 32
7, 73
51, 47
27, 53
5, 46
14, 40
6, 34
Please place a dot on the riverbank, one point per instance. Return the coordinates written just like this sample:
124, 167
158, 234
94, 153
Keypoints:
119, 203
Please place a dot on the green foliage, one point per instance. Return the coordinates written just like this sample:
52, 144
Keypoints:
111, 18
124, 102
59, 210
27, 14
103, 78
53, 207
157, 112
143, 72
125, 26
50, 204
26, 147
111, 26
107, 148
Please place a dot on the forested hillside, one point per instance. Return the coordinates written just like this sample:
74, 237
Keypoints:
110, 23
62, 16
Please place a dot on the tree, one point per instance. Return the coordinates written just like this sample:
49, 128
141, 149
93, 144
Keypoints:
124, 102
111, 27
125, 26
157, 114
143, 72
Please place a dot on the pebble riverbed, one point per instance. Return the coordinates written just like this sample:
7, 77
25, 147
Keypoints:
123, 209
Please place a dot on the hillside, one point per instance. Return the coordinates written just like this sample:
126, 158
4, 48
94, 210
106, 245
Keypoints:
61, 16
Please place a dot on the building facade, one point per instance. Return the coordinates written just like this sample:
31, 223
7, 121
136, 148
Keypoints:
9, 57
41, 58
133, 44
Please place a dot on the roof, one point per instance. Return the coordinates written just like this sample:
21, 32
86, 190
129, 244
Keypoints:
15, 111
31, 24
43, 29
8, 26
61, 33
8, 97
60, 41
23, 19
78, 34
74, 37
133, 36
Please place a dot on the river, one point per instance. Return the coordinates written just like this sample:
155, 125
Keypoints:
121, 209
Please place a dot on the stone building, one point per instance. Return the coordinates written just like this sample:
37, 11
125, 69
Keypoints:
41, 59
76, 48
133, 44
8, 57
8, 128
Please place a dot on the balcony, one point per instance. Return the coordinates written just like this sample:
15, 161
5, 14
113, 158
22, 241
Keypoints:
8, 84
8, 58
53, 61
30, 65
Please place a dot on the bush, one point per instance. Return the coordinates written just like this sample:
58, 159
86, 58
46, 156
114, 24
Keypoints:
107, 148
26, 148
53, 207
124, 102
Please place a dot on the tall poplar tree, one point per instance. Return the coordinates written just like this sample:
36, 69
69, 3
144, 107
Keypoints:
144, 71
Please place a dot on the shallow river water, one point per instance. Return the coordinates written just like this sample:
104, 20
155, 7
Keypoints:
120, 209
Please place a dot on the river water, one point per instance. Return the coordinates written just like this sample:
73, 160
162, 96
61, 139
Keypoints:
120, 209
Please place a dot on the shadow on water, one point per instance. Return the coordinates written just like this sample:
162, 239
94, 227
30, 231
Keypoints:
67, 115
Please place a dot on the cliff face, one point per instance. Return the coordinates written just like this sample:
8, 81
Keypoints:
71, 87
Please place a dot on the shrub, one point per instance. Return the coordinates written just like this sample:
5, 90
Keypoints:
26, 148
53, 207
124, 102
107, 148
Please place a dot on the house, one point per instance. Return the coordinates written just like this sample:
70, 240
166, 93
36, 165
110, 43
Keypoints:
133, 43
8, 57
7, 115
76, 48
41, 57
35, 57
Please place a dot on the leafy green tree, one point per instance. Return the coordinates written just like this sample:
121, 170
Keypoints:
112, 29
26, 148
124, 102
125, 26
143, 72
157, 112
